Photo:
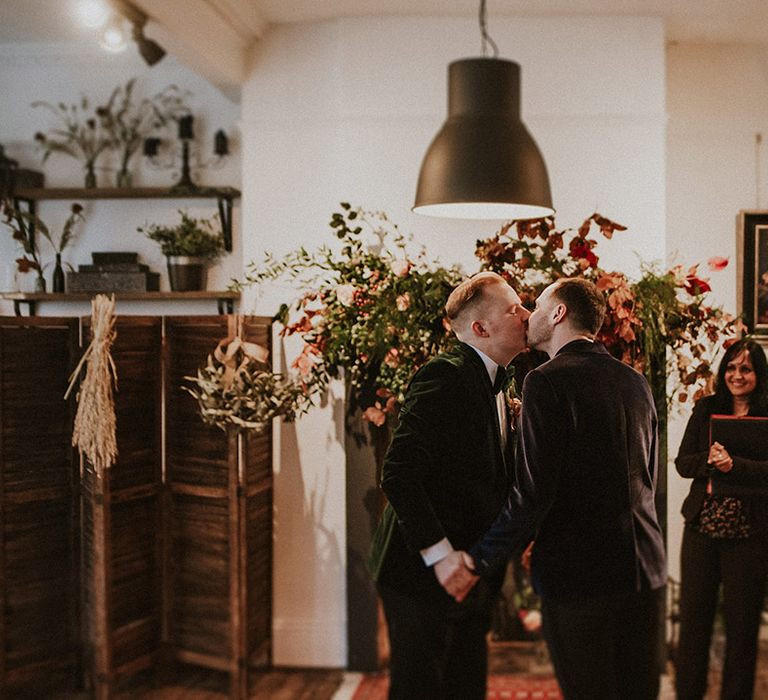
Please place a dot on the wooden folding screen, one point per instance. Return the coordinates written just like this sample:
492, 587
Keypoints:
166, 565
38, 508
220, 514
122, 519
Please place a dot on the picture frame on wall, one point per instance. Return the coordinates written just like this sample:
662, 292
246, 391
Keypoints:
752, 240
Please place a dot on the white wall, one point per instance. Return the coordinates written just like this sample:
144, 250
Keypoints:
54, 73
344, 111
716, 97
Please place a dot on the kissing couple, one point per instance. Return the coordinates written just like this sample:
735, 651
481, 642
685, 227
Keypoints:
467, 490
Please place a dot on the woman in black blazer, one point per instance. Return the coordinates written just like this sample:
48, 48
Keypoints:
725, 540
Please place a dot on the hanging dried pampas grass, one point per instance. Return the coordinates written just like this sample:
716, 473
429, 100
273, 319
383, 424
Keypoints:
95, 424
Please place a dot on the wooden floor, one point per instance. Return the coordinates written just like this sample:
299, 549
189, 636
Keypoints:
317, 684
198, 684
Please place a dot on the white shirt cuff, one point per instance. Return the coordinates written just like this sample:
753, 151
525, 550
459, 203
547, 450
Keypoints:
439, 550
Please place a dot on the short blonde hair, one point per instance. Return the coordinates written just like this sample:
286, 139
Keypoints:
468, 296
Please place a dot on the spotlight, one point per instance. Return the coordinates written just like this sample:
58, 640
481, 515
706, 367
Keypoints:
150, 50
92, 13
114, 38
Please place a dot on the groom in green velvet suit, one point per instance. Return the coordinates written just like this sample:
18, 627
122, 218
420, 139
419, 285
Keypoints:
446, 479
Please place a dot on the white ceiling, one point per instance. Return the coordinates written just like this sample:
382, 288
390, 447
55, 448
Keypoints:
686, 20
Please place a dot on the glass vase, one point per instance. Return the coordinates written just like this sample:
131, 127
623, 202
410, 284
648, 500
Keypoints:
124, 178
90, 176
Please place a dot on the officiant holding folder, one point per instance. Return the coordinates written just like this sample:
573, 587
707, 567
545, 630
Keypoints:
725, 541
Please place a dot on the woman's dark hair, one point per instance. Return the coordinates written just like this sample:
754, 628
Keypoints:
758, 399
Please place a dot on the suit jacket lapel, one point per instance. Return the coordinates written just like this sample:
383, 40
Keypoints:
486, 388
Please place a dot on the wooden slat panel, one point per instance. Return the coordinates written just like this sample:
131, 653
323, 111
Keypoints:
38, 507
257, 452
200, 555
122, 515
195, 453
220, 592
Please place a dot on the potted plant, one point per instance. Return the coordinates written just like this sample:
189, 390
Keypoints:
188, 247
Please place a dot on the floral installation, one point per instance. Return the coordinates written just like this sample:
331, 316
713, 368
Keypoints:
374, 310
644, 317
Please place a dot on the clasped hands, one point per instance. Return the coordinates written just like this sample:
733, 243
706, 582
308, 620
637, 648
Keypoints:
455, 574
719, 458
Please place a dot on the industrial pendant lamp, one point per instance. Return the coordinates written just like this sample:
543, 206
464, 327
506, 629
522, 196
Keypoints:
483, 163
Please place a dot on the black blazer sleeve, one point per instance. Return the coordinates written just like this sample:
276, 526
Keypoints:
429, 417
691, 461
537, 471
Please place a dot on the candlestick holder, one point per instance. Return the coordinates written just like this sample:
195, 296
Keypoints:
186, 154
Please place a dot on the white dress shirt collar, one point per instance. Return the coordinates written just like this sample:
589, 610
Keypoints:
490, 365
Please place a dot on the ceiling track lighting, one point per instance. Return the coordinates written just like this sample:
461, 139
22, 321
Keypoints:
483, 163
150, 50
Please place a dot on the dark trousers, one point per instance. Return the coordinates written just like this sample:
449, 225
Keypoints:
438, 648
607, 647
741, 566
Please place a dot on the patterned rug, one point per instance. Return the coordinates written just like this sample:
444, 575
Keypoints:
500, 687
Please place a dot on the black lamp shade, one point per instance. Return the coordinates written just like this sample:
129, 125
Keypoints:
483, 163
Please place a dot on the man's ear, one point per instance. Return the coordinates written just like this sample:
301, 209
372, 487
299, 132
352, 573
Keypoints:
478, 329
559, 314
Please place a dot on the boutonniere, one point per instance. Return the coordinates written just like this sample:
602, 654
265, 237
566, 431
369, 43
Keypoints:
514, 406
509, 388
508, 385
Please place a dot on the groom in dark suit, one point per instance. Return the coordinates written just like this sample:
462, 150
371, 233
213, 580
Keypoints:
446, 479
584, 489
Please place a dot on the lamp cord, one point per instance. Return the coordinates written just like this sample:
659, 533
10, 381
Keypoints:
483, 19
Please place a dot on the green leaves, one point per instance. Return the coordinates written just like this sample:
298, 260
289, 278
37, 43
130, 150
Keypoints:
192, 237
250, 400
373, 308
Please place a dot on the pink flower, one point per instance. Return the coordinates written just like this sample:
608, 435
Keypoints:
531, 620
375, 415
392, 358
345, 293
679, 274
401, 267
403, 301
717, 263
306, 361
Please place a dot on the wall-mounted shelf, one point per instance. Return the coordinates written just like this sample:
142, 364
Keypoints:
225, 299
225, 196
